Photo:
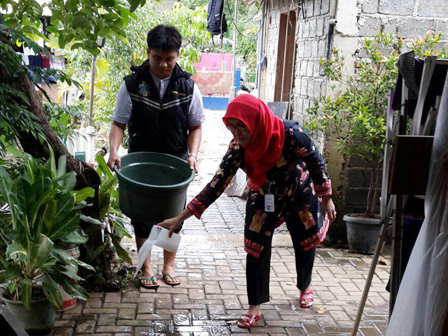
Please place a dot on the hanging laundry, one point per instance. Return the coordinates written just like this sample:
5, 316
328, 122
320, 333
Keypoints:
216, 20
35, 61
45, 62
410, 69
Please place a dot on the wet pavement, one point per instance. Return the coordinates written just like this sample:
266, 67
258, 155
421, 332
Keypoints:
212, 296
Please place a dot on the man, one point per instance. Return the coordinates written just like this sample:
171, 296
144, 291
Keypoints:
162, 107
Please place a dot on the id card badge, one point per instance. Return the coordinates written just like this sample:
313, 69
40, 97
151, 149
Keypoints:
269, 205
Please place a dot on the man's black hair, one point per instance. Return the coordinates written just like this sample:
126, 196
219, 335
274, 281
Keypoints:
164, 38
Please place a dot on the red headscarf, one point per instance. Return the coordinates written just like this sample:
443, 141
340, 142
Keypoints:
268, 136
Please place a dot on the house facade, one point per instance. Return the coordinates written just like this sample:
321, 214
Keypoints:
297, 34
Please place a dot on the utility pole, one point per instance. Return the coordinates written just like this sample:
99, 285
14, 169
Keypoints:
92, 89
100, 42
235, 35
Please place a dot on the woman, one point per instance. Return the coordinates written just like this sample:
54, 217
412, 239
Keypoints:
286, 177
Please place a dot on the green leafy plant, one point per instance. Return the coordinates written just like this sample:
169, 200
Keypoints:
111, 219
63, 118
77, 23
429, 45
113, 224
74, 23
14, 116
43, 211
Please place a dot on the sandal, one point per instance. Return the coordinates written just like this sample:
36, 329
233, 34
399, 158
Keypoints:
148, 283
248, 321
166, 276
307, 298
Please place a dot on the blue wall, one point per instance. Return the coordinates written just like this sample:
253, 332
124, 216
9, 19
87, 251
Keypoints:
237, 79
215, 103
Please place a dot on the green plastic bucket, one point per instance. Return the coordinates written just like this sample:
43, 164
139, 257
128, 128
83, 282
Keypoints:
152, 186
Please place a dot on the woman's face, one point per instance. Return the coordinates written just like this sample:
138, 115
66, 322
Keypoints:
239, 131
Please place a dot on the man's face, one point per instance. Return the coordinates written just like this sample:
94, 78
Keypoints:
162, 63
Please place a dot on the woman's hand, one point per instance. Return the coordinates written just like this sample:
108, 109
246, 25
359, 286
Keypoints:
327, 207
171, 224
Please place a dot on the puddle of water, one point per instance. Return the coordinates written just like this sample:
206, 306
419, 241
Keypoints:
213, 309
181, 320
219, 331
199, 314
162, 327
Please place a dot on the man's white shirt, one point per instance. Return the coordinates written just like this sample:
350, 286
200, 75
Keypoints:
123, 104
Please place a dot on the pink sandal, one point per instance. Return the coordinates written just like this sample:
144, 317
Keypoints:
307, 298
248, 321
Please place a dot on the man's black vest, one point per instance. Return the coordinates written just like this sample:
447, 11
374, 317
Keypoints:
159, 124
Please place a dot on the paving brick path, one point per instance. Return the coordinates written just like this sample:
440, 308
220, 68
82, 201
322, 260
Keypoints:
211, 263
213, 295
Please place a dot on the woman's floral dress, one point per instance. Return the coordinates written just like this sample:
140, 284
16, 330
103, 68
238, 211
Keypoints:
296, 181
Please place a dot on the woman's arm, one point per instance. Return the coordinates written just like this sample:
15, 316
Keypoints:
230, 163
304, 147
227, 169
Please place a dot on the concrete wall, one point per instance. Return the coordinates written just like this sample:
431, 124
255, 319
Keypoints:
311, 34
355, 19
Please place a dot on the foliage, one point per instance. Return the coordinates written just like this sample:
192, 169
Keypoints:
43, 211
77, 23
429, 45
74, 23
118, 55
356, 109
112, 224
354, 115
63, 118
14, 116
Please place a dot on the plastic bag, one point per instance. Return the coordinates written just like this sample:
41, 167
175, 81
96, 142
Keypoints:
238, 184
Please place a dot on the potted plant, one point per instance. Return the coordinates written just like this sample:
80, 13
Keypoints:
44, 210
354, 116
